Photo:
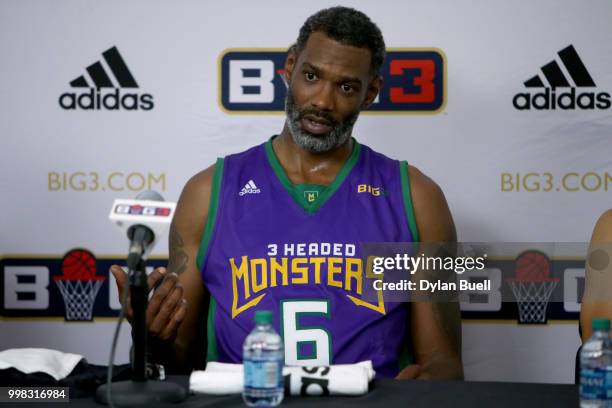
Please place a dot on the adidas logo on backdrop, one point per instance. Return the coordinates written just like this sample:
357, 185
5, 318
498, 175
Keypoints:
249, 188
103, 87
565, 91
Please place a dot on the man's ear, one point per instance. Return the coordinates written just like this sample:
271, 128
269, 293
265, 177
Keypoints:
372, 92
290, 63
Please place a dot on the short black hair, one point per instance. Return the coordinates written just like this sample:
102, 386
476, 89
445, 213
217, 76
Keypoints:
347, 26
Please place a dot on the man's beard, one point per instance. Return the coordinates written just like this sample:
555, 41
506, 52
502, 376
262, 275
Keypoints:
339, 134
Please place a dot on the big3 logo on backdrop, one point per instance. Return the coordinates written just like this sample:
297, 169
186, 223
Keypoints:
414, 81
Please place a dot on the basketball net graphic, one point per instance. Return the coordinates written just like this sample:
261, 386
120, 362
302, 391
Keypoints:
532, 286
79, 284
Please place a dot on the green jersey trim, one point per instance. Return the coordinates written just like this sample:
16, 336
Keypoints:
211, 336
408, 207
297, 192
212, 213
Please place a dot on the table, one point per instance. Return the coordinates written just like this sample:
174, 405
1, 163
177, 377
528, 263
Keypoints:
406, 393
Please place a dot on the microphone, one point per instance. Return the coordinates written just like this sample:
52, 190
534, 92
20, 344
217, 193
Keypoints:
143, 220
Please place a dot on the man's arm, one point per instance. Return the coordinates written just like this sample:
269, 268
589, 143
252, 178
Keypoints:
597, 301
181, 346
435, 326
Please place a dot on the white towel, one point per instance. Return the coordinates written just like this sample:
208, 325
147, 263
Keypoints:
341, 379
32, 360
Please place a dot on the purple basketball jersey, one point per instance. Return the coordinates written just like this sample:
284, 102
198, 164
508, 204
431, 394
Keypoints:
295, 250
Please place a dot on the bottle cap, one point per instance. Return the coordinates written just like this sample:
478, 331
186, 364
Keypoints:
265, 317
601, 323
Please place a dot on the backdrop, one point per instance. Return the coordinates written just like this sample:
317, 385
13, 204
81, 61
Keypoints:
506, 105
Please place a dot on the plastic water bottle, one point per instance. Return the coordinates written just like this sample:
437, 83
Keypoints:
607, 365
593, 366
263, 359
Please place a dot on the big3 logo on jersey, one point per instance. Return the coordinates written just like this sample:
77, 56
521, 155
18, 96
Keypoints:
414, 81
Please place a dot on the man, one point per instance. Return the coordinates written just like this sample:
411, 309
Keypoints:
279, 226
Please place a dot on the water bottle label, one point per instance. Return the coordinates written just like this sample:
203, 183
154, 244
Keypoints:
263, 374
608, 383
592, 383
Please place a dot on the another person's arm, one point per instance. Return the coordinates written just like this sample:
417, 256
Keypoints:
597, 299
435, 326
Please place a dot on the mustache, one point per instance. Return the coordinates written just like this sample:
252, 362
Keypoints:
317, 114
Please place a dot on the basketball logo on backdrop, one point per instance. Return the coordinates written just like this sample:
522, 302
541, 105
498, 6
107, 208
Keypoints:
75, 286
252, 81
532, 286
104, 85
79, 284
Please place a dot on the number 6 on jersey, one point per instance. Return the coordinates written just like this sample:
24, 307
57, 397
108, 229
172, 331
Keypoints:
296, 337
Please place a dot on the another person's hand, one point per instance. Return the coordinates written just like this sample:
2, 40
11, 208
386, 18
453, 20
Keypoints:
167, 307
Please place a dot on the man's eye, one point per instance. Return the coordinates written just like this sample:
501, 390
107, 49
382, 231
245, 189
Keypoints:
347, 88
310, 76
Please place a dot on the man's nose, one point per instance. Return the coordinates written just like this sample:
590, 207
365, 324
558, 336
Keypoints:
323, 99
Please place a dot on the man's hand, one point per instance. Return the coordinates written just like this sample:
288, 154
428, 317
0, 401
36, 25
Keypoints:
411, 372
167, 307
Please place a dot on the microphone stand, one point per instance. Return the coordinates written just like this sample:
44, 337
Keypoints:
140, 391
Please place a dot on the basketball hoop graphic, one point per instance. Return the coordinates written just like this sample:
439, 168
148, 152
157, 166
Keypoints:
79, 284
532, 286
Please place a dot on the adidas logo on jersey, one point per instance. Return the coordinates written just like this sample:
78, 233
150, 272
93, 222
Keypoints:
249, 188
577, 77
111, 72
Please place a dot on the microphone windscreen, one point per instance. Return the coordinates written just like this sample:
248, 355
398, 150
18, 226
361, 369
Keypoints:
149, 195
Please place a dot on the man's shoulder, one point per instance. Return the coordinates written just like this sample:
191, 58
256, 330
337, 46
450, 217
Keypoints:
422, 186
434, 219
420, 183
375, 153
201, 182
247, 154
195, 197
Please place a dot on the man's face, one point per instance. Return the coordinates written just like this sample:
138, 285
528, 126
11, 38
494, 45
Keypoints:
329, 83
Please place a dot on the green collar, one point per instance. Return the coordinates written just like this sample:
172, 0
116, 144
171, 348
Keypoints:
311, 197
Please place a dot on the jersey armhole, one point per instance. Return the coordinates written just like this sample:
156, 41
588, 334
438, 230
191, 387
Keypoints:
407, 198
212, 214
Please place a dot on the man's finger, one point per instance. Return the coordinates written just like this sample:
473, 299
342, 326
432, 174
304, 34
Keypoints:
163, 290
122, 285
156, 276
177, 317
409, 373
120, 278
161, 318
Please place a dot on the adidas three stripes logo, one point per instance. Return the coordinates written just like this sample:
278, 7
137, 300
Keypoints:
249, 188
99, 76
108, 85
554, 75
566, 84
